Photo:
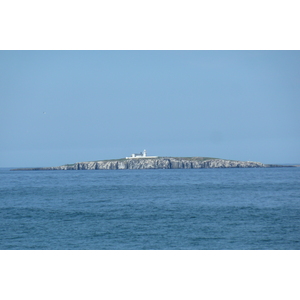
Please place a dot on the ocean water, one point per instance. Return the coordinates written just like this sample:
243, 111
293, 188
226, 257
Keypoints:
150, 209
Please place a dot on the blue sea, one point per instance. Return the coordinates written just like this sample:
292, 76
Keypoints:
151, 209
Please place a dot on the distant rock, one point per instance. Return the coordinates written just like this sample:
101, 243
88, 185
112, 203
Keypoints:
157, 163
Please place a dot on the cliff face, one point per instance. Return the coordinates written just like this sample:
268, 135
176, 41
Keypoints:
157, 163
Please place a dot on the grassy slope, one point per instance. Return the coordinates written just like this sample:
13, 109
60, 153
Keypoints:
196, 158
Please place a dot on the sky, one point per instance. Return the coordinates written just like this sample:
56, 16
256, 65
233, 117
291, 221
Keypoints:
61, 107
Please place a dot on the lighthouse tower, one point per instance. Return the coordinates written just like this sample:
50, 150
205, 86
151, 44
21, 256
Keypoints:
144, 153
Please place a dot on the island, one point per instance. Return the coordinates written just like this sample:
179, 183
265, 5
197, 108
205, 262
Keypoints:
144, 162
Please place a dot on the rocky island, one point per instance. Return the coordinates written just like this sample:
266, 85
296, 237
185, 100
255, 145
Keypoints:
141, 162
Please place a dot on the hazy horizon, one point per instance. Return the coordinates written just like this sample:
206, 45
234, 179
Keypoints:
60, 107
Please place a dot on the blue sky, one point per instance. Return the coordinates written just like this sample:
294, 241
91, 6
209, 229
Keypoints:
62, 107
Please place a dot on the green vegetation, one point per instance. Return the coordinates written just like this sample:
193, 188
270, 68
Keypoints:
114, 159
196, 158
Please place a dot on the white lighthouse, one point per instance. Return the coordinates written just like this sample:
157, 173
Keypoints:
140, 155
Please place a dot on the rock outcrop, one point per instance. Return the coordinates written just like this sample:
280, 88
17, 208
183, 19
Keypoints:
158, 163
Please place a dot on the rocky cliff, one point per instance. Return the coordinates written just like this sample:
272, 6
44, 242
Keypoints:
158, 163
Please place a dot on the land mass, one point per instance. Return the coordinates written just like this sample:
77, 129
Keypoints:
157, 163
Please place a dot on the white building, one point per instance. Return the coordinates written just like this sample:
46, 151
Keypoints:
140, 155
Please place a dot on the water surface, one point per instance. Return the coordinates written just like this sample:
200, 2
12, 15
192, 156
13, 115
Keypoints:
151, 209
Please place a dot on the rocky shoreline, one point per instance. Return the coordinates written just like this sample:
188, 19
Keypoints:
157, 163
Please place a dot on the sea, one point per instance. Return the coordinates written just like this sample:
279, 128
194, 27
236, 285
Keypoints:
170, 209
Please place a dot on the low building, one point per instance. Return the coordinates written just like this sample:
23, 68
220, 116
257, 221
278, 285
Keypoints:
140, 155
